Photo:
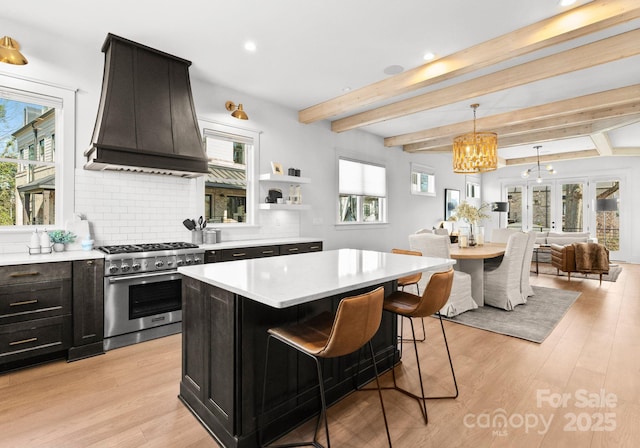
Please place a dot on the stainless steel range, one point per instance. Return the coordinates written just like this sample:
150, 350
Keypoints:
143, 290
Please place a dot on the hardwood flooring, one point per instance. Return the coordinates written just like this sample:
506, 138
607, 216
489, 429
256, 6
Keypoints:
580, 387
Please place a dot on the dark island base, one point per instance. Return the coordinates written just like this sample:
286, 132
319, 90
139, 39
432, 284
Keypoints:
224, 341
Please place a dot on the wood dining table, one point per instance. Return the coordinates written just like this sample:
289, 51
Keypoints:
471, 261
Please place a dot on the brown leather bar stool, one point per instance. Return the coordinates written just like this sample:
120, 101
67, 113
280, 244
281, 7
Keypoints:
408, 305
408, 281
326, 335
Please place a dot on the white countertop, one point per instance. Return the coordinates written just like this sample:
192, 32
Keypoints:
290, 280
67, 255
261, 242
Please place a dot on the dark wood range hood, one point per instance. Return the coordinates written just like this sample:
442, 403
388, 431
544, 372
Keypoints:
146, 119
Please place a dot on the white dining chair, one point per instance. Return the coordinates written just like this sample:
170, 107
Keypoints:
432, 245
502, 284
525, 288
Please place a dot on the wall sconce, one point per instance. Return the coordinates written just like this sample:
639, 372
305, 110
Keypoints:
237, 111
10, 52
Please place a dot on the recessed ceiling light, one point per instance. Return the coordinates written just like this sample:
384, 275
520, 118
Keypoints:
346, 89
567, 2
393, 69
250, 46
428, 56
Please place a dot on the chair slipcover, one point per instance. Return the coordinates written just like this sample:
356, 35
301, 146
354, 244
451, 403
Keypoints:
502, 285
432, 245
525, 288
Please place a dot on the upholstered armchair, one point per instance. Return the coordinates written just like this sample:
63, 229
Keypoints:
585, 258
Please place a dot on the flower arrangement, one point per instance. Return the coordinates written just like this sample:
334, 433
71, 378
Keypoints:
61, 236
473, 215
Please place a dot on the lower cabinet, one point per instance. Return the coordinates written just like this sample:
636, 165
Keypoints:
50, 310
243, 253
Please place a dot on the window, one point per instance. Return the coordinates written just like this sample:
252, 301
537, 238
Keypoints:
229, 185
362, 189
423, 180
36, 186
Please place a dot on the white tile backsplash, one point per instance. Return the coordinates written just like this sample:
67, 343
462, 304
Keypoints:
128, 208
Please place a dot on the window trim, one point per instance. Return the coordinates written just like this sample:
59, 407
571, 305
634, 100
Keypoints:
64, 101
252, 162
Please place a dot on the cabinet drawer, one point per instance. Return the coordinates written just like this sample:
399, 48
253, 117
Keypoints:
300, 248
35, 300
243, 253
35, 337
39, 272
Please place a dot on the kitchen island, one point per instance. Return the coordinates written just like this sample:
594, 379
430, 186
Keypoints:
226, 311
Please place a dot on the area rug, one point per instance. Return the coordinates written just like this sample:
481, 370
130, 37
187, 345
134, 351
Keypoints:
612, 276
532, 321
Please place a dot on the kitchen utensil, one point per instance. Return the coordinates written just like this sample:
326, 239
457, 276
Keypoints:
189, 224
204, 225
200, 223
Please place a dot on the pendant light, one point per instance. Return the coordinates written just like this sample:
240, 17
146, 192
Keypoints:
475, 152
549, 168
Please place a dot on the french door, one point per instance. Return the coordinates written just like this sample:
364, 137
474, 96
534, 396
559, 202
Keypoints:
569, 205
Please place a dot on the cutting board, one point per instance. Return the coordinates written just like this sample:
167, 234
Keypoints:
80, 228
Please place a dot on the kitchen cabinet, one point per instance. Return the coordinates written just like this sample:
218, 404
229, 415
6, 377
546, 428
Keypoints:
281, 179
35, 312
50, 310
88, 308
245, 253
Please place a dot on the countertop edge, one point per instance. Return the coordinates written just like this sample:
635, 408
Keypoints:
54, 257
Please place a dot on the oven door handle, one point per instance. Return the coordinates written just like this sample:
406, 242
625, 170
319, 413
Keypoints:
124, 278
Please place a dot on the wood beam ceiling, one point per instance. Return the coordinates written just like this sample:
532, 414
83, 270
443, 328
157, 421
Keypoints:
600, 52
611, 99
580, 21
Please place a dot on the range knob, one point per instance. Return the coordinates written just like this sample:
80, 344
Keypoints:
180, 262
159, 263
189, 260
197, 260
113, 269
136, 266
125, 267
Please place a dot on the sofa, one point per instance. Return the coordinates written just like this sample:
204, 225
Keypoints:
561, 239
585, 258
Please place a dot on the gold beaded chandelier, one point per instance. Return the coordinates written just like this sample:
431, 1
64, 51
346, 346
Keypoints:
475, 152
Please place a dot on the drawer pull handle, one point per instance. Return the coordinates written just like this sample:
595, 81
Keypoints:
267, 251
293, 249
241, 254
24, 274
24, 302
314, 247
24, 341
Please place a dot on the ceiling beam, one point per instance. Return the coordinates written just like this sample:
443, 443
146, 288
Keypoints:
580, 21
625, 113
601, 100
544, 135
606, 50
553, 157
603, 145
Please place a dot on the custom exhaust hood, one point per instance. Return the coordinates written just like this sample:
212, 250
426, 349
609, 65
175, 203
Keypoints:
146, 118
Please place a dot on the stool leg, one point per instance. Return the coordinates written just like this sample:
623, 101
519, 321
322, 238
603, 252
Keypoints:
453, 373
384, 414
323, 411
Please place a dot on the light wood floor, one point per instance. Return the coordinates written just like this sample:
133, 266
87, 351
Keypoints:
128, 397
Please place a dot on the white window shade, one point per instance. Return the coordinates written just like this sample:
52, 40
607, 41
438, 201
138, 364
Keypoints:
362, 179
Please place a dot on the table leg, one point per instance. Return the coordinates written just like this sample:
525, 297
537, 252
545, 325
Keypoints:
475, 268
536, 251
